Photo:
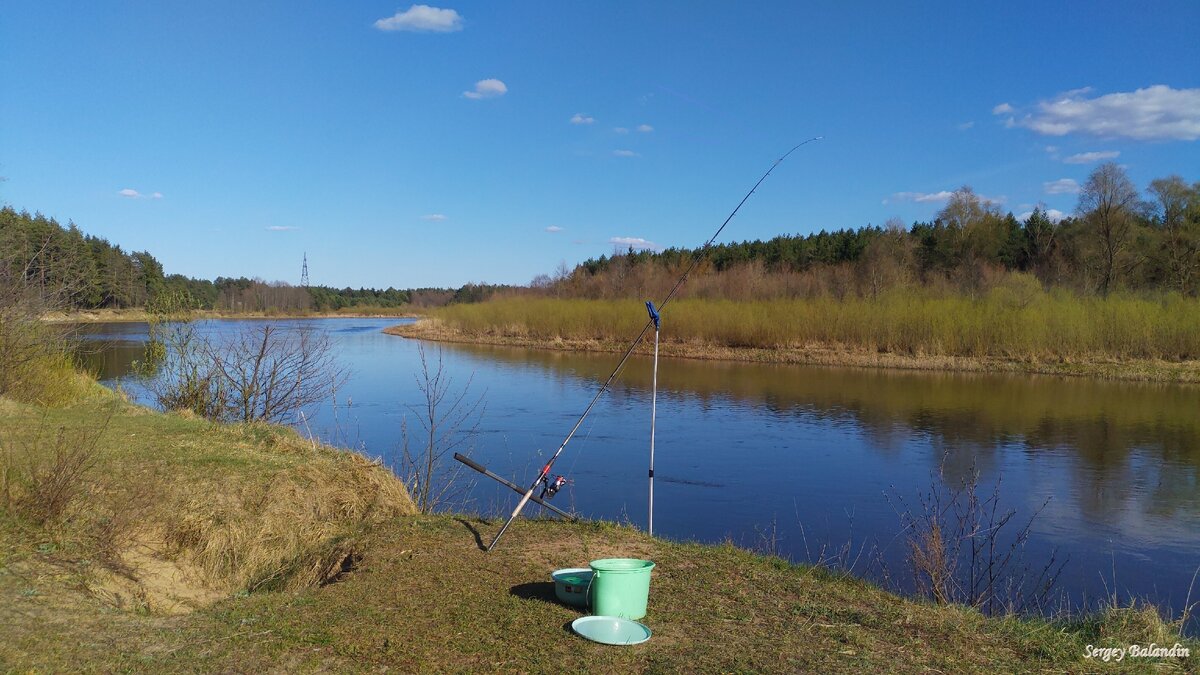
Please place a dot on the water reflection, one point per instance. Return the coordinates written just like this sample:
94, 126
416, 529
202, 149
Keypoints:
1116, 431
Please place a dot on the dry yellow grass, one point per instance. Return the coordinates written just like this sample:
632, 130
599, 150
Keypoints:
215, 509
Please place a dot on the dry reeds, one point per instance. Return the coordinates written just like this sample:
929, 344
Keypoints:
1016, 319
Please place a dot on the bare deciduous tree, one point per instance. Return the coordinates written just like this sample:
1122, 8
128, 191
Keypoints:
270, 373
24, 337
262, 373
449, 420
1109, 204
887, 261
1179, 219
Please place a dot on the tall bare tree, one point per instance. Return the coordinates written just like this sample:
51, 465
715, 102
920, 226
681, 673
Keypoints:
974, 231
1109, 206
1179, 220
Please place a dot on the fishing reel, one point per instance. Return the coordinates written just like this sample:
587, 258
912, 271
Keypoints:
551, 487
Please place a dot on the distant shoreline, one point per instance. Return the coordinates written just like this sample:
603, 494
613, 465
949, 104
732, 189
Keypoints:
135, 315
1185, 372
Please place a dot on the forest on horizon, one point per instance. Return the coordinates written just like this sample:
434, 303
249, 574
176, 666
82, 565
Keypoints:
1117, 240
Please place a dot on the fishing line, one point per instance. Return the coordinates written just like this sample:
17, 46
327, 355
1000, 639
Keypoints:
696, 258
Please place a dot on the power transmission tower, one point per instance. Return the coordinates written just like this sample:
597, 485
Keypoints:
304, 272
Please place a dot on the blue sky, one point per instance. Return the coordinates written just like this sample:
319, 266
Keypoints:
402, 145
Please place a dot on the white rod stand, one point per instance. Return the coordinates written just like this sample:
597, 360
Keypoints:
653, 410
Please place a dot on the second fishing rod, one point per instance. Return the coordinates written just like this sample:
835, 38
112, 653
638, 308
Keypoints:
544, 475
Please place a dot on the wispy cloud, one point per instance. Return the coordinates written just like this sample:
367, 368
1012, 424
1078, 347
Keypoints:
625, 153
554, 228
489, 88
422, 19
281, 228
1054, 215
582, 118
621, 130
635, 242
645, 128
434, 217
922, 197
1148, 114
1062, 186
134, 194
935, 197
1089, 157
964, 126
1002, 109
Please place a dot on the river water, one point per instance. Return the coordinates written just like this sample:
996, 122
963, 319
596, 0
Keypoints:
804, 461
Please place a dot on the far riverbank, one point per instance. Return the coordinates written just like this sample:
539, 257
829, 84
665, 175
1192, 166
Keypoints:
1144, 370
135, 315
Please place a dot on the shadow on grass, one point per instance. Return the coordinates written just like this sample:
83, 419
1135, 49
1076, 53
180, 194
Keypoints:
537, 590
479, 537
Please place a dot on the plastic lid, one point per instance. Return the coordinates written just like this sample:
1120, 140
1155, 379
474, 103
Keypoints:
611, 630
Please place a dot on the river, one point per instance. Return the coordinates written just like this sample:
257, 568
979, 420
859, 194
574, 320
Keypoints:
807, 462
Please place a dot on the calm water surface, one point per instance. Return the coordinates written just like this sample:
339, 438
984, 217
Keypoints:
812, 452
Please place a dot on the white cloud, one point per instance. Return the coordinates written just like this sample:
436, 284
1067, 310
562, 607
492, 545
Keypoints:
635, 242
964, 126
1089, 157
1062, 186
489, 88
645, 128
621, 130
934, 197
434, 217
281, 228
423, 19
1152, 113
923, 197
1054, 215
134, 194
553, 228
625, 153
1002, 109
582, 118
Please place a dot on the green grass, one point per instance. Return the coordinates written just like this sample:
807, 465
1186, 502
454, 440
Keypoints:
1015, 320
424, 596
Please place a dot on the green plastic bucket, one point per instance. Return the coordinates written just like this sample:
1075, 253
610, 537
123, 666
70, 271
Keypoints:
620, 587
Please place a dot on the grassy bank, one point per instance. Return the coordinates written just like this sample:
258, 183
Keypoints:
1008, 329
151, 511
182, 545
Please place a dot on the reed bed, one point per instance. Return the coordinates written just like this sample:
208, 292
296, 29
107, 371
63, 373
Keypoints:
1011, 321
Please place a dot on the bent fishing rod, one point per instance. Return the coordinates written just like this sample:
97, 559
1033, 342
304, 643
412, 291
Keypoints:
544, 475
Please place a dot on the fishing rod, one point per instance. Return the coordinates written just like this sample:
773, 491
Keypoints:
544, 475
